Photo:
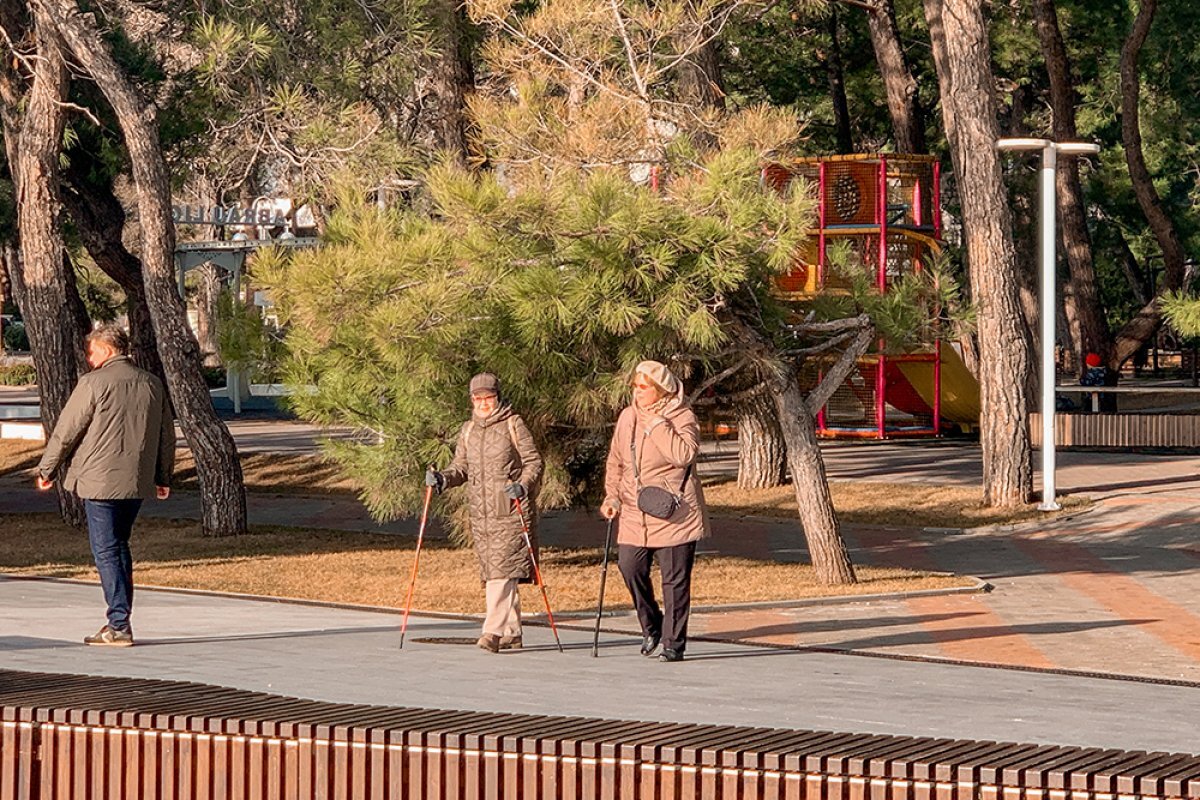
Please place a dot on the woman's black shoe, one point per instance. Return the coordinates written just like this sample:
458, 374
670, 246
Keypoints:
649, 645
671, 655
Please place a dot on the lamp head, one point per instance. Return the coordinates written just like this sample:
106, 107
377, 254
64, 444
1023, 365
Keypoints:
1007, 145
1077, 148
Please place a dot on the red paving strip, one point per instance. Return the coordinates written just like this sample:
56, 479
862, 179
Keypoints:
723, 625
990, 637
1121, 594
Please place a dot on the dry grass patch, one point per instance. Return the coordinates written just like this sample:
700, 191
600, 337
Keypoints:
274, 472
266, 472
374, 569
17, 455
880, 503
877, 503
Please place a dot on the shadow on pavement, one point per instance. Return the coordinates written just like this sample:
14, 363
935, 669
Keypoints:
923, 637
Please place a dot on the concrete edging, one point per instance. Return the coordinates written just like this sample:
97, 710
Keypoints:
979, 586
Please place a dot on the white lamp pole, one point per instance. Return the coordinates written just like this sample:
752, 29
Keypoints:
1049, 201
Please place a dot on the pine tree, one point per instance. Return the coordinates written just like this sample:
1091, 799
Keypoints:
604, 234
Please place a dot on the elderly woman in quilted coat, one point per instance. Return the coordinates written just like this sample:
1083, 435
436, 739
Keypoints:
496, 458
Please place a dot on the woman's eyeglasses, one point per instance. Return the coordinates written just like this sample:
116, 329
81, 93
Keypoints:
643, 385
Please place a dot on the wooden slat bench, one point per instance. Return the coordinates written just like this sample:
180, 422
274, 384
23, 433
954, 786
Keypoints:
94, 737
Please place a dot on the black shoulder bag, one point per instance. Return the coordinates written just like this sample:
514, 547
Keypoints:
656, 501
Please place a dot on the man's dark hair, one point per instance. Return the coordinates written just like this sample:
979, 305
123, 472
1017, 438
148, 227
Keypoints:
111, 335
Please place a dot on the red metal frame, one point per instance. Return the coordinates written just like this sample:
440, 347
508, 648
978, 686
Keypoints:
821, 187
881, 214
918, 203
924, 204
881, 393
937, 200
937, 388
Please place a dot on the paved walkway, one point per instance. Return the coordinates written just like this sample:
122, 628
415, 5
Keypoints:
1115, 590
353, 657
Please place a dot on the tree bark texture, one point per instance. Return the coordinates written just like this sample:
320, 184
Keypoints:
1022, 185
1090, 327
941, 65
903, 99
1139, 330
5, 293
451, 80
967, 338
1006, 359
762, 453
822, 531
837, 85
208, 293
699, 79
42, 282
99, 220
223, 494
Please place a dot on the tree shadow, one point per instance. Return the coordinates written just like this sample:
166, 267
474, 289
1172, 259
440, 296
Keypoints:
253, 637
923, 637
1147, 483
12, 643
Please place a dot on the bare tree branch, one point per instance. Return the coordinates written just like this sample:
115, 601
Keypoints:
720, 376
841, 369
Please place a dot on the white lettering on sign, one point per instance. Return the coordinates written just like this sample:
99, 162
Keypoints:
227, 215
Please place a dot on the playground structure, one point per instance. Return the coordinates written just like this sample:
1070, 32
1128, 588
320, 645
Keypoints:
886, 209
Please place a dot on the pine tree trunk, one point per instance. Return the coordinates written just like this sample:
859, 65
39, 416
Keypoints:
904, 103
699, 82
1006, 358
1139, 330
836, 73
941, 65
5, 287
1022, 188
1089, 323
41, 283
223, 495
451, 80
822, 532
762, 453
207, 298
100, 220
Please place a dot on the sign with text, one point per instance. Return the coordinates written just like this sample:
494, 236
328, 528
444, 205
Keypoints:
228, 215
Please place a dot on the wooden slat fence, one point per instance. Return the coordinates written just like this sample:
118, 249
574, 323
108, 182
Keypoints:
1165, 431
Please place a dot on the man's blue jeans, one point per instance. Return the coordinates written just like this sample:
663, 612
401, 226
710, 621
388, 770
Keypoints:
110, 522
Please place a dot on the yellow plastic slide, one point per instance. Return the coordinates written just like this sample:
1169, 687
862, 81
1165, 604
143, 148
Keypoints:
960, 389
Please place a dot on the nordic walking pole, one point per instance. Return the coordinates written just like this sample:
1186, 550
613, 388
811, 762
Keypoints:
416, 561
603, 578
537, 573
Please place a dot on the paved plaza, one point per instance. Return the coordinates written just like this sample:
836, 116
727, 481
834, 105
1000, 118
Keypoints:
353, 656
1082, 609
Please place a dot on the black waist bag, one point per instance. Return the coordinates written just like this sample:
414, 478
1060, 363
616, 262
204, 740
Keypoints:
656, 501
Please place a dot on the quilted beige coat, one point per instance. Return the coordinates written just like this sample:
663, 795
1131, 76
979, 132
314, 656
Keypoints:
490, 454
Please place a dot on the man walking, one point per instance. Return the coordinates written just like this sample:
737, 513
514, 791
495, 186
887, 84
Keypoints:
114, 445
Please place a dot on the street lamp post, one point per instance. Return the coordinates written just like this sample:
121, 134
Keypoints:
1050, 152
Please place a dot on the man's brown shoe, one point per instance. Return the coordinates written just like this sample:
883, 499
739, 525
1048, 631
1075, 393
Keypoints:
510, 642
109, 637
489, 642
